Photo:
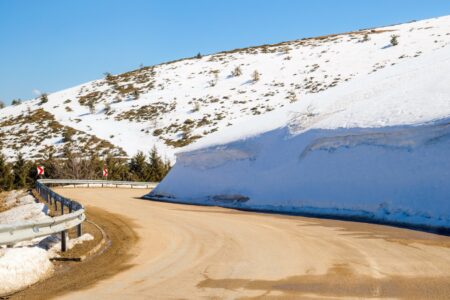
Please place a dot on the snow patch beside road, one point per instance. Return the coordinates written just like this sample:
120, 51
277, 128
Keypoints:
29, 261
21, 267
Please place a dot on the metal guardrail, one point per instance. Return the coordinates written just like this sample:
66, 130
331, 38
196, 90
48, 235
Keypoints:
23, 231
99, 183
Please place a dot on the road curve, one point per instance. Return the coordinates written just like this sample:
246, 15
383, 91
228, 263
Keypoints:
194, 252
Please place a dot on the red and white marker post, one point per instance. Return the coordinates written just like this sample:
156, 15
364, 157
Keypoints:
105, 172
40, 171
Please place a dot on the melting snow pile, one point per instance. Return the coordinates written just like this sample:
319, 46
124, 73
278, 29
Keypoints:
26, 210
377, 148
28, 262
21, 267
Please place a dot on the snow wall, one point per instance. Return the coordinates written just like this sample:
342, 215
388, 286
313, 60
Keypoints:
397, 175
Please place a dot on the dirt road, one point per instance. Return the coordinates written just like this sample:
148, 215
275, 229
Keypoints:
193, 252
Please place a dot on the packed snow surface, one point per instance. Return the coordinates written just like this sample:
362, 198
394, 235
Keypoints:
21, 267
377, 147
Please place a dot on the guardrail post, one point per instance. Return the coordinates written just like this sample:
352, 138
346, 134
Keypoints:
63, 241
79, 230
56, 204
62, 207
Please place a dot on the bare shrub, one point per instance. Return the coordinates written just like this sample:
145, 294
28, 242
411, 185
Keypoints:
214, 81
236, 72
91, 106
196, 107
255, 76
292, 96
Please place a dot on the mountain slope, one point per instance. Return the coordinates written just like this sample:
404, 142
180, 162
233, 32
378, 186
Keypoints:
202, 101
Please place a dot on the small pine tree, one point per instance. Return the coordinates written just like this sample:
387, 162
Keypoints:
255, 76
167, 167
6, 175
2, 104
117, 168
236, 72
21, 170
43, 98
138, 167
136, 94
91, 106
16, 102
108, 76
156, 166
199, 55
394, 40
366, 38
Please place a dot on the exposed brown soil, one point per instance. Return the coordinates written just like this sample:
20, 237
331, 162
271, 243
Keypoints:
2, 199
71, 275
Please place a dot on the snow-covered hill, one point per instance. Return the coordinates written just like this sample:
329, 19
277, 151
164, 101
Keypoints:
377, 146
198, 102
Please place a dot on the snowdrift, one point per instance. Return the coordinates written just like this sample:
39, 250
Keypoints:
375, 149
399, 174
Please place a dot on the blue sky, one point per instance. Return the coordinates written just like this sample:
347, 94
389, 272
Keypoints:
49, 45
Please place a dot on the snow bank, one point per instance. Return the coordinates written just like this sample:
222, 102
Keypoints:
53, 243
377, 148
25, 264
21, 267
397, 174
26, 212
28, 262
